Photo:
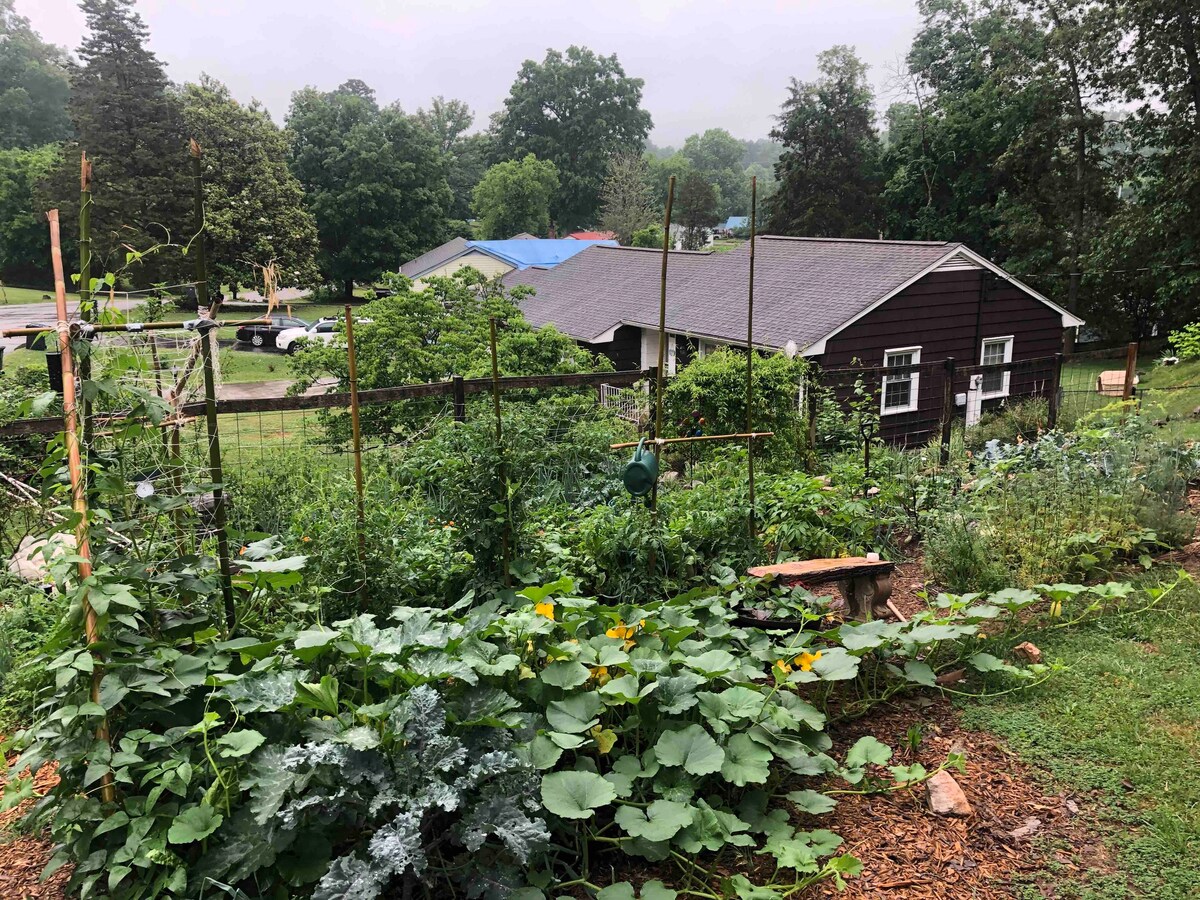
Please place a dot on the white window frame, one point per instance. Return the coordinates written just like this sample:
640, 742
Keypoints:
1008, 352
914, 379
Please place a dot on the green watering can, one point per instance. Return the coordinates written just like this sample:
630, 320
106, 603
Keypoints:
641, 472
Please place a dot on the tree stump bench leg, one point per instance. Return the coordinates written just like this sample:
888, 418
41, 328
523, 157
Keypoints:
866, 595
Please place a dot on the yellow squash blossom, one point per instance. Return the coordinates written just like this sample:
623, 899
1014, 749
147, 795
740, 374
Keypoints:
545, 608
782, 666
623, 631
600, 674
805, 660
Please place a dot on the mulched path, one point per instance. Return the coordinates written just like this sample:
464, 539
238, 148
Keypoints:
907, 852
23, 858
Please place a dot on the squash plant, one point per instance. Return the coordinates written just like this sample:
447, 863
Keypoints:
508, 748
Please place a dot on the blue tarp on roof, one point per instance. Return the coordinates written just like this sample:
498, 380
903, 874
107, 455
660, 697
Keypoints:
733, 223
522, 254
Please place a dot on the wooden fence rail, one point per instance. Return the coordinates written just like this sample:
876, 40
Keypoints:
453, 387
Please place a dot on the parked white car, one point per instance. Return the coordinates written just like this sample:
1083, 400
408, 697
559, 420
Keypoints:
323, 330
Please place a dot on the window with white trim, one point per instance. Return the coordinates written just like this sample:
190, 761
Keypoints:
899, 392
994, 352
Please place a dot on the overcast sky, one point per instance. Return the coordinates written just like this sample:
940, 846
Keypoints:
706, 63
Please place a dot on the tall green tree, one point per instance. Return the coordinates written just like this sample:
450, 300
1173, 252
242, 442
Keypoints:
1149, 256
515, 196
33, 85
696, 208
464, 155
254, 207
627, 203
373, 179
24, 248
828, 173
128, 119
576, 110
717, 155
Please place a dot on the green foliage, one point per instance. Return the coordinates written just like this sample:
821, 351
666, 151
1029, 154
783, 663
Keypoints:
715, 387
128, 118
651, 236
626, 200
1185, 342
716, 155
33, 85
27, 617
574, 109
430, 334
1061, 506
515, 197
696, 209
828, 172
1024, 420
465, 155
23, 256
373, 179
254, 207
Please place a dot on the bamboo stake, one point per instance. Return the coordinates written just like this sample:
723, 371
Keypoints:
86, 313
133, 327
505, 547
356, 432
78, 492
652, 554
750, 355
658, 442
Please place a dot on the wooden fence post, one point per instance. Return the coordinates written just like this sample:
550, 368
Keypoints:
1054, 400
1131, 354
460, 399
947, 408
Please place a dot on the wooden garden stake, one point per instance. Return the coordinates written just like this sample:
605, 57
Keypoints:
356, 434
651, 555
78, 491
505, 548
216, 473
86, 313
750, 356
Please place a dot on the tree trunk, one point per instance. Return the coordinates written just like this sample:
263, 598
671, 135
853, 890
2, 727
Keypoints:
349, 289
1187, 33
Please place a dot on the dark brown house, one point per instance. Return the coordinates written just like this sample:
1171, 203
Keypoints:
844, 304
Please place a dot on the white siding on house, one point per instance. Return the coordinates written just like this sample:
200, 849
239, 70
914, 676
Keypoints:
488, 265
650, 350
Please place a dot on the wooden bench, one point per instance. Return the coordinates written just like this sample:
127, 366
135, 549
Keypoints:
1112, 383
865, 584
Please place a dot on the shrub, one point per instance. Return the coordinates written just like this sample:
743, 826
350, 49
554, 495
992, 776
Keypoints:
28, 617
1024, 420
1185, 341
713, 389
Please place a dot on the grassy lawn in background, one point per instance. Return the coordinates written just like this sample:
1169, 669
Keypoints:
15, 360
1121, 727
15, 296
1170, 395
239, 366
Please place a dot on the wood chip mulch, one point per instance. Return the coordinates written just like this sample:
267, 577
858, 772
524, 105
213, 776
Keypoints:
908, 852
22, 858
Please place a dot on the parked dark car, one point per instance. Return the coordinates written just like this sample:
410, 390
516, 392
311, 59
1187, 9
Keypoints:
265, 335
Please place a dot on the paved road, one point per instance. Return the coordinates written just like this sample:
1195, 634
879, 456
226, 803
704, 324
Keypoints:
254, 390
20, 315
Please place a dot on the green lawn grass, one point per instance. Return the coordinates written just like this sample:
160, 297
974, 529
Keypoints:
240, 366
1121, 726
14, 296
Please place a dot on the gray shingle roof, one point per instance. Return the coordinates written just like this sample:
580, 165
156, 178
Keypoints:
804, 288
431, 259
